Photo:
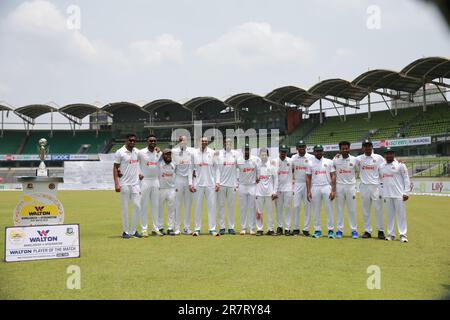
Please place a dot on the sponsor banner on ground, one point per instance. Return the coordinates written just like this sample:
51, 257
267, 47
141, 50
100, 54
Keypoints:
435, 187
60, 157
48, 157
42, 242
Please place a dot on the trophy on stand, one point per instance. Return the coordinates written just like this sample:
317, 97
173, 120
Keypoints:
38, 204
42, 171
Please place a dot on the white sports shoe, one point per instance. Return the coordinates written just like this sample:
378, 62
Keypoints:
390, 238
242, 233
177, 232
252, 233
403, 238
187, 231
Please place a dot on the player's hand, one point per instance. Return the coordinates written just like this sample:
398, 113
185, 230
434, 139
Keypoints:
217, 188
141, 177
331, 196
157, 149
338, 155
405, 197
309, 196
257, 180
192, 189
258, 215
117, 187
274, 196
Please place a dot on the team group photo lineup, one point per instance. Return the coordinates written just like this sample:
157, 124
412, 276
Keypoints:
276, 191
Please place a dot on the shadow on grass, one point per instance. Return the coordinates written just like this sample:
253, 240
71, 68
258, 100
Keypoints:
447, 288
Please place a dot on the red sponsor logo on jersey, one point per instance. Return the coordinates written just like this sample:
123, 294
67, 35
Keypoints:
343, 171
167, 175
150, 163
248, 170
263, 177
388, 175
320, 172
300, 168
368, 167
283, 172
132, 161
204, 164
228, 163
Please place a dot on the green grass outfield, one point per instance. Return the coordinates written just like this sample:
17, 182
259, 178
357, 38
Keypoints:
232, 267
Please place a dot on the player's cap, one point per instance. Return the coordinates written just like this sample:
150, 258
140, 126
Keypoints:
318, 147
301, 144
246, 146
167, 150
284, 148
367, 142
389, 149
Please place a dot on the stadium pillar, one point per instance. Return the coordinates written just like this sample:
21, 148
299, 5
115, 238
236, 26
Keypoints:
320, 113
424, 92
51, 123
2, 123
368, 106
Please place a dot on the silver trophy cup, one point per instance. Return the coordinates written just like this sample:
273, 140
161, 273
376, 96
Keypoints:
42, 170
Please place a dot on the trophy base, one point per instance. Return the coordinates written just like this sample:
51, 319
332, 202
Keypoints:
41, 172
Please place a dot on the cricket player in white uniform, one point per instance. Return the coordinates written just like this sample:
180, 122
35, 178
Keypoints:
247, 166
369, 189
148, 162
182, 158
266, 192
167, 194
345, 165
126, 181
321, 186
283, 164
207, 184
300, 163
395, 191
227, 166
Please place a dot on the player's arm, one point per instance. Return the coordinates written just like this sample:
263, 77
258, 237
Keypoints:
216, 172
406, 181
275, 184
333, 185
116, 177
191, 174
308, 187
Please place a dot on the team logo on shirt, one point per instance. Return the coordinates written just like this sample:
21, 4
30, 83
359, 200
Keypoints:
351, 164
325, 165
306, 160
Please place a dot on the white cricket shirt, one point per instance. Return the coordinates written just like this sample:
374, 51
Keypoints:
182, 159
128, 161
395, 180
285, 174
320, 171
227, 166
247, 170
345, 169
268, 179
205, 166
166, 175
368, 168
300, 165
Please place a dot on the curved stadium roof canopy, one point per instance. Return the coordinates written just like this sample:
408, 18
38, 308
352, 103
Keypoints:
410, 79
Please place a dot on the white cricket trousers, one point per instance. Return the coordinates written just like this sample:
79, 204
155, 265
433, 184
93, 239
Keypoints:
319, 194
128, 193
226, 195
395, 208
150, 193
346, 196
183, 196
300, 195
370, 193
210, 195
247, 202
167, 196
284, 201
261, 202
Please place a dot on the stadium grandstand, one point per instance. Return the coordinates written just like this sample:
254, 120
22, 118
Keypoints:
381, 105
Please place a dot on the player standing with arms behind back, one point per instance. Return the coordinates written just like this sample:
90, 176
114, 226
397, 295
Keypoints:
207, 177
321, 186
300, 163
395, 191
126, 160
369, 189
345, 165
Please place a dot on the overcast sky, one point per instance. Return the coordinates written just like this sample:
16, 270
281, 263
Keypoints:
141, 50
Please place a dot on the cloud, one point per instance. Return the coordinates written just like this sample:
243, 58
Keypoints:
43, 30
255, 44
